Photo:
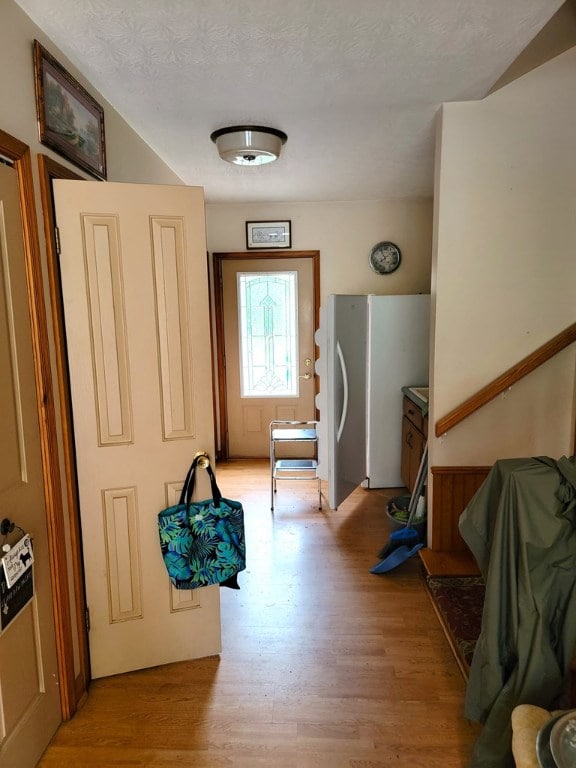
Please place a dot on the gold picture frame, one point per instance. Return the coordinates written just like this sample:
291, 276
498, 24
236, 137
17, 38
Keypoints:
70, 121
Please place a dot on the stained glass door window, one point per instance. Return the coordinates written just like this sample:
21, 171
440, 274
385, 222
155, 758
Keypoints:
267, 306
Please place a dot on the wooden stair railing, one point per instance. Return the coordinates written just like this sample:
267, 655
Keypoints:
506, 380
453, 487
447, 554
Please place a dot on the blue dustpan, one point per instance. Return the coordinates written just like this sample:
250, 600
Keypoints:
405, 537
396, 558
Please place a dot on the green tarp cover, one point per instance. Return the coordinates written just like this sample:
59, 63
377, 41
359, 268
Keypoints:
521, 528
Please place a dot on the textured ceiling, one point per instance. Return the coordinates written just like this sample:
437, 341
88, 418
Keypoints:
355, 84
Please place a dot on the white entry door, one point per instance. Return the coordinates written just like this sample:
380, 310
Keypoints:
29, 695
268, 320
135, 288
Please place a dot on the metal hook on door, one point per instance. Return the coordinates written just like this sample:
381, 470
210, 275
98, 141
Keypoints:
7, 527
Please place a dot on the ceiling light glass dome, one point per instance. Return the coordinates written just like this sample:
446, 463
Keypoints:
248, 144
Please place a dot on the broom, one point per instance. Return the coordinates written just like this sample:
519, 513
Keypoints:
406, 541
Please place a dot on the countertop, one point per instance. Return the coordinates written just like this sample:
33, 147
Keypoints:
416, 398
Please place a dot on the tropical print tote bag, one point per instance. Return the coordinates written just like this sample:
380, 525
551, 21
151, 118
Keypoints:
202, 542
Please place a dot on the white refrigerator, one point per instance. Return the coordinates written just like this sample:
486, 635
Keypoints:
370, 347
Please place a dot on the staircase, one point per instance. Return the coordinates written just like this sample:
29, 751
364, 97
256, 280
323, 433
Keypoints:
451, 574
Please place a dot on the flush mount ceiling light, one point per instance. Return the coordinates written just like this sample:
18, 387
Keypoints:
248, 144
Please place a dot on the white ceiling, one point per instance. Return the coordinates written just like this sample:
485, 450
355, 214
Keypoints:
355, 84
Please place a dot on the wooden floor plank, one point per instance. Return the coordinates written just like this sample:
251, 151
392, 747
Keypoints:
324, 665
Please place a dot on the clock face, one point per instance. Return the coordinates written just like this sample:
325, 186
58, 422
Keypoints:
385, 258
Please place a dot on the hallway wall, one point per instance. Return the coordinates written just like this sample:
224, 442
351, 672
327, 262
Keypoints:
343, 232
503, 273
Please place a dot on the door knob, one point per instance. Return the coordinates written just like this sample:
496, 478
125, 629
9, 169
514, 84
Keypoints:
306, 376
203, 459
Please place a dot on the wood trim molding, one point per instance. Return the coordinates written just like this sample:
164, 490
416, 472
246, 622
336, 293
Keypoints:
452, 489
506, 380
220, 368
213, 361
19, 153
73, 686
218, 259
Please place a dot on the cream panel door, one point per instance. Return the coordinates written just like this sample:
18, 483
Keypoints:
29, 696
135, 288
249, 417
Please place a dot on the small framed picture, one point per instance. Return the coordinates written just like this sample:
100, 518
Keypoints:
268, 234
70, 121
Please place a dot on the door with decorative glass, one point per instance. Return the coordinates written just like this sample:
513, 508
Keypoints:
268, 318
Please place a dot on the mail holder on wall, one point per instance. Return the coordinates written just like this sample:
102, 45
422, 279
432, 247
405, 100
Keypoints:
16, 573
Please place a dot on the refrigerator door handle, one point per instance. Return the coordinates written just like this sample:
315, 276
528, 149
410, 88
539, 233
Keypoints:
345, 382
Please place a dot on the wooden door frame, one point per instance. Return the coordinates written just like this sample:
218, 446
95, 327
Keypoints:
19, 154
220, 373
77, 684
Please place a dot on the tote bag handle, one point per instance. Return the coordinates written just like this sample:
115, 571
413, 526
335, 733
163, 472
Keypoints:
188, 487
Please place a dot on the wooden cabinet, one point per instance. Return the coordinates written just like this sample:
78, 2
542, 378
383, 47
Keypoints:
414, 435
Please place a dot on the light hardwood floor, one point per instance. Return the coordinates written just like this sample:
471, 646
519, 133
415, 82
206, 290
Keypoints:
324, 665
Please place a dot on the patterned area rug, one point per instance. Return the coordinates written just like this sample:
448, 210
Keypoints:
460, 600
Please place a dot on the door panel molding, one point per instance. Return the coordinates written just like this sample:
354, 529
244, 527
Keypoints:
173, 315
14, 470
220, 373
108, 342
124, 566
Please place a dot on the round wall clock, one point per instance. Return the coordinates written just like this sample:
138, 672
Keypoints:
385, 258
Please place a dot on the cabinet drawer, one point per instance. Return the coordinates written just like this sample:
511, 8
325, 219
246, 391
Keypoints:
412, 450
413, 414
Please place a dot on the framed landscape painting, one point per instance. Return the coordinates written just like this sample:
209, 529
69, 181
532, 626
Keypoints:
70, 121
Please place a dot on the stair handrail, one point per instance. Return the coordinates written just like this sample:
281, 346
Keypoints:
506, 380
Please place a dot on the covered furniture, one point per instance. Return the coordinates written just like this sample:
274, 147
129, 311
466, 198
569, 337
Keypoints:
521, 528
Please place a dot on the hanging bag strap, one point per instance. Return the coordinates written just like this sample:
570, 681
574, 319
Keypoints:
188, 487
189, 477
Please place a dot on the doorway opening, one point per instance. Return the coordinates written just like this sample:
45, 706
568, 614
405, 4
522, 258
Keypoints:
270, 341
